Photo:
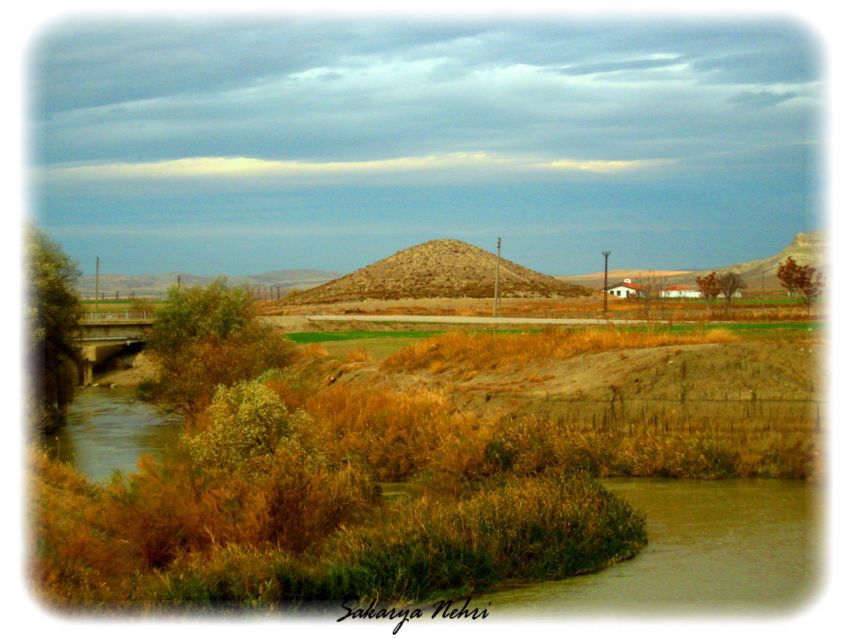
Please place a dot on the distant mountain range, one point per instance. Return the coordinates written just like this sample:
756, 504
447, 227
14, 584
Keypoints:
449, 268
159, 283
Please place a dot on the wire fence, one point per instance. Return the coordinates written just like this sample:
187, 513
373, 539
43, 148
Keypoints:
130, 315
257, 292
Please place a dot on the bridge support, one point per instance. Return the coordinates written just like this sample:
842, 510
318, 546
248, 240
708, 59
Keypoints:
95, 354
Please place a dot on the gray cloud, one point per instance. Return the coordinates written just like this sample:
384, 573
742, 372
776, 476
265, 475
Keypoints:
701, 94
761, 99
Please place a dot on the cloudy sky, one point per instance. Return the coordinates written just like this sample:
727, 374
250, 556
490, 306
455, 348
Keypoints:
238, 146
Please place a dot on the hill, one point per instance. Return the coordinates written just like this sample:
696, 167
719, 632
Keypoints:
806, 248
441, 268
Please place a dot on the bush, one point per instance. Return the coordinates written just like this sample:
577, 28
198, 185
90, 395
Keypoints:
394, 432
548, 527
245, 424
205, 337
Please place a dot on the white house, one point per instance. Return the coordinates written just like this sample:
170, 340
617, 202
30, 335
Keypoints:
624, 289
680, 292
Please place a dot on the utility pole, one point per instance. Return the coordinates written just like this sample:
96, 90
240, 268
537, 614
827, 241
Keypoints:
496, 300
96, 282
605, 254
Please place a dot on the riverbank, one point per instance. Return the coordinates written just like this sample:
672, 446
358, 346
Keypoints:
270, 494
151, 542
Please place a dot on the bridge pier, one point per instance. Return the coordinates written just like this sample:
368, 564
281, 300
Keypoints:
86, 372
93, 354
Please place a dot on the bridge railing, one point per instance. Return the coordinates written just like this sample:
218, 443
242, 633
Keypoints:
132, 315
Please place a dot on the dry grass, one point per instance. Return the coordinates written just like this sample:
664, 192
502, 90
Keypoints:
394, 432
476, 352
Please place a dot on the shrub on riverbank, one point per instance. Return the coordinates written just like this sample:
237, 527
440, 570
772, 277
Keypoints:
208, 336
223, 486
418, 432
158, 539
394, 432
543, 528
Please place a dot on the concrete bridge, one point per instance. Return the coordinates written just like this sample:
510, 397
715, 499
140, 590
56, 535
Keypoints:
104, 335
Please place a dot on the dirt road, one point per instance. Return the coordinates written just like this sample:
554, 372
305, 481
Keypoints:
464, 320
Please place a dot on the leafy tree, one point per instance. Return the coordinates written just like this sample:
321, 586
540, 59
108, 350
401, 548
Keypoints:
801, 278
208, 336
729, 283
709, 286
788, 274
53, 312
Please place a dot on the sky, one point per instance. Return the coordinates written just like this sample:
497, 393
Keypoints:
243, 145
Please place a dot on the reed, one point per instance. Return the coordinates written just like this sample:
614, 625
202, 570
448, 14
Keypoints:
543, 528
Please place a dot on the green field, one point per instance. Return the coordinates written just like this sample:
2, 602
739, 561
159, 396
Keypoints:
352, 335
795, 327
356, 335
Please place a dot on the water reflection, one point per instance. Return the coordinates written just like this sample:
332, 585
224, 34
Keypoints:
108, 429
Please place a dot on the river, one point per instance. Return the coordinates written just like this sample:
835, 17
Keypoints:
109, 429
732, 547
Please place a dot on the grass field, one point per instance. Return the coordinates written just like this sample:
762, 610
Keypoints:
118, 305
795, 327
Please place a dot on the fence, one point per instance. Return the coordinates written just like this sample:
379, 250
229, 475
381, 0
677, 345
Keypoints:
132, 315
257, 292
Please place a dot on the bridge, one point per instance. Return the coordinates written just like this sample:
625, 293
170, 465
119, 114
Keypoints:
103, 335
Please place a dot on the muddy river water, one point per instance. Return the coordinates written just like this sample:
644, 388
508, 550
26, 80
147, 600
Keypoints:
715, 547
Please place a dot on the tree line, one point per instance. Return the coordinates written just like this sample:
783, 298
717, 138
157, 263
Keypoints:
801, 280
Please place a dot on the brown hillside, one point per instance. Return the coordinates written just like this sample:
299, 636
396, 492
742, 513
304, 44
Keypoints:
806, 248
441, 268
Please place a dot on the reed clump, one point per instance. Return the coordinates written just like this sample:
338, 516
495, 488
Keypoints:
419, 433
544, 528
393, 432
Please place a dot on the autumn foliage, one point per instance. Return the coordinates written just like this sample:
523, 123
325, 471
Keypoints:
801, 278
94, 541
205, 337
472, 353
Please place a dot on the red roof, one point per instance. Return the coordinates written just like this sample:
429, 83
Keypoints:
624, 285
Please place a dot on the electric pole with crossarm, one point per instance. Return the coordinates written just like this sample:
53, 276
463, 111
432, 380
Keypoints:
605, 254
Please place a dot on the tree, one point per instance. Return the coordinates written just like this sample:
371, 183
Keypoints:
709, 286
729, 283
804, 279
197, 313
53, 313
650, 291
810, 283
204, 337
788, 274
